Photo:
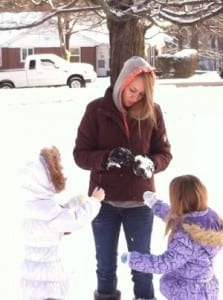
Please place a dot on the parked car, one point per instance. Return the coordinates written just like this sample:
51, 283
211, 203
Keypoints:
48, 70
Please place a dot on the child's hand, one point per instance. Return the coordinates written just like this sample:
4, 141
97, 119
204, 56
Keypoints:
98, 193
150, 198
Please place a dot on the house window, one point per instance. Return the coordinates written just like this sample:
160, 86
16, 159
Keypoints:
24, 52
101, 63
75, 55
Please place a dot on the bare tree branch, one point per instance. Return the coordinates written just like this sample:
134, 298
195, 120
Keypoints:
49, 16
182, 12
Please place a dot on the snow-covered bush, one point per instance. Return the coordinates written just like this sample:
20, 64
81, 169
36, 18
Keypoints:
182, 64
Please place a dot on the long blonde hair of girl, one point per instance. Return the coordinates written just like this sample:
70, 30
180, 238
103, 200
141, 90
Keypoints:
187, 194
144, 109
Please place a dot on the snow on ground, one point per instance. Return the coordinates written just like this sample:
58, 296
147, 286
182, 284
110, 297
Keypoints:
32, 118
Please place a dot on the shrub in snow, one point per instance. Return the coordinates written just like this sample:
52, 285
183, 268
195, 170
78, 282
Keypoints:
182, 64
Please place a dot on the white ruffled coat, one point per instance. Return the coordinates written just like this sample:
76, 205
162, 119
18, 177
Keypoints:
45, 222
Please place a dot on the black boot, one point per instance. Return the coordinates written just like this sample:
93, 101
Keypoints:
115, 296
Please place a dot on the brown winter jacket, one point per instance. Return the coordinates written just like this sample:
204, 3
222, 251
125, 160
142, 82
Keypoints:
102, 130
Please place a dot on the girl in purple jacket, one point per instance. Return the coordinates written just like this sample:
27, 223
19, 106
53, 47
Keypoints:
195, 238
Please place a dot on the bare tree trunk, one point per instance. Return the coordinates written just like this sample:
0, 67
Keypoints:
194, 38
64, 36
126, 40
61, 36
180, 40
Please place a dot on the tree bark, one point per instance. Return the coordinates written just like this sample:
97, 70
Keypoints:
194, 38
126, 40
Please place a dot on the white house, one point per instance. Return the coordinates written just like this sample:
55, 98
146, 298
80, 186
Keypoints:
90, 46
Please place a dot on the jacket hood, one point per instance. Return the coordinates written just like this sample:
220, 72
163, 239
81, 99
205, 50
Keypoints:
131, 68
35, 180
205, 227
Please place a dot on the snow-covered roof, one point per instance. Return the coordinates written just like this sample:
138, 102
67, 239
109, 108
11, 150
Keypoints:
41, 37
88, 38
29, 38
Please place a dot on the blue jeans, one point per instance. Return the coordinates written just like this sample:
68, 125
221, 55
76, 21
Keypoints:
137, 225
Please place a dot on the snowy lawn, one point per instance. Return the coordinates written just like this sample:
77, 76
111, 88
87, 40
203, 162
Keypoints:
32, 118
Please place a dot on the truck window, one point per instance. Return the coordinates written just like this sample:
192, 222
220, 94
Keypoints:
47, 64
32, 64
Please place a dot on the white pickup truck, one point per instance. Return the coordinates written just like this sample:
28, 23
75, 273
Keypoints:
48, 70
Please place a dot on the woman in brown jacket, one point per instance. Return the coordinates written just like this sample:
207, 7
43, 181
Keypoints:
122, 140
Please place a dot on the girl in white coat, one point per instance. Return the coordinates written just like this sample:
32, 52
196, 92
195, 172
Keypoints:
45, 222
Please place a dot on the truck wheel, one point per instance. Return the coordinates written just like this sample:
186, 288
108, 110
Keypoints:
6, 85
76, 82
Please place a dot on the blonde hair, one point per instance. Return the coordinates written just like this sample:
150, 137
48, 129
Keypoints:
187, 194
144, 109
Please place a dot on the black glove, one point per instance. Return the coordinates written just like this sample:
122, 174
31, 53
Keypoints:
119, 157
143, 166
